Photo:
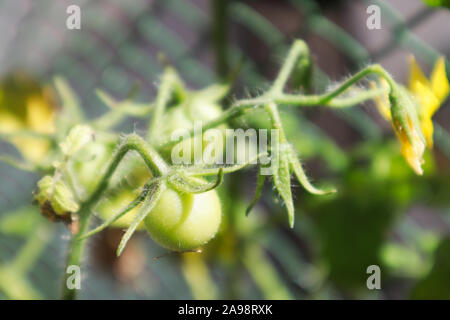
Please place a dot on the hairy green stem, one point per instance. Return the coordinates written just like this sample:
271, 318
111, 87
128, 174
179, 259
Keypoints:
170, 83
274, 114
76, 246
269, 100
329, 99
75, 251
298, 49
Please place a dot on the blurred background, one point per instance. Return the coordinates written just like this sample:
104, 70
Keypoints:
382, 215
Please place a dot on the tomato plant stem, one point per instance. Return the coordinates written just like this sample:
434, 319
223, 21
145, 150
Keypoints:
154, 162
75, 252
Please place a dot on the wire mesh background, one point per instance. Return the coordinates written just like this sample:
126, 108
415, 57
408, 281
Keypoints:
118, 46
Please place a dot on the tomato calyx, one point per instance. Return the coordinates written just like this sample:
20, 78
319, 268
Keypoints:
183, 186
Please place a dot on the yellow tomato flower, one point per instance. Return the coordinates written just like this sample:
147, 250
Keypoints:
382, 101
406, 125
400, 109
414, 108
26, 106
429, 93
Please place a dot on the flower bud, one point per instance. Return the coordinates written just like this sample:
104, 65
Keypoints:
55, 197
407, 127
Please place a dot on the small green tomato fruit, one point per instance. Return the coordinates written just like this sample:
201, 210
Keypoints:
182, 222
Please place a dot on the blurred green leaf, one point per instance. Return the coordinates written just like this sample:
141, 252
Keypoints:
438, 3
20, 222
436, 284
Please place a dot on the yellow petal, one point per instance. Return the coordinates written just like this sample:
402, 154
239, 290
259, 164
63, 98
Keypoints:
427, 100
439, 81
412, 147
427, 129
416, 74
40, 115
9, 123
382, 101
32, 149
427, 106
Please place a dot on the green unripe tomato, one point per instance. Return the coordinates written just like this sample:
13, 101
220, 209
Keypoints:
182, 222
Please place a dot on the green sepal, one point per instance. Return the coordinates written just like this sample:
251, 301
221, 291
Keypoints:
58, 194
187, 184
137, 201
258, 191
282, 179
149, 203
297, 168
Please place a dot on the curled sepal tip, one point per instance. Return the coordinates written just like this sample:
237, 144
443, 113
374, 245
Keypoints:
152, 198
190, 184
297, 167
136, 202
282, 181
286, 163
258, 191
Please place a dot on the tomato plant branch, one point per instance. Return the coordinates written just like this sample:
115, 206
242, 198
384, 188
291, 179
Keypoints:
298, 49
169, 84
32, 248
241, 107
154, 162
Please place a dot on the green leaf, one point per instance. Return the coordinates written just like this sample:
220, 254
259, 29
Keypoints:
69, 100
282, 180
20, 222
264, 273
213, 93
106, 98
301, 176
435, 284
118, 110
302, 75
438, 3
154, 194
19, 164
258, 191
16, 286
